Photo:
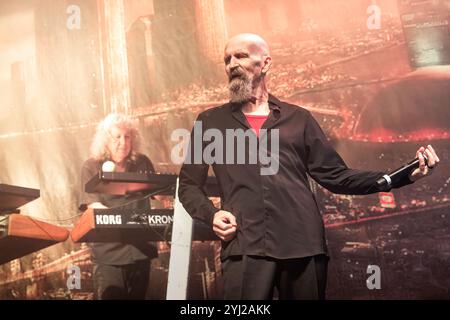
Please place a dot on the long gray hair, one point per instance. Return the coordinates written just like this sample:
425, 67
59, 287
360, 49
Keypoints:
99, 150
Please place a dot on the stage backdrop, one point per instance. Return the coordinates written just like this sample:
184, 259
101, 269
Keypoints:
375, 74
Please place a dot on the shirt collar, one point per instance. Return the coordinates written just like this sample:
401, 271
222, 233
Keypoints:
275, 108
274, 104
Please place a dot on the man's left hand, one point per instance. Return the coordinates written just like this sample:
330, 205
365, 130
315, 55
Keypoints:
425, 168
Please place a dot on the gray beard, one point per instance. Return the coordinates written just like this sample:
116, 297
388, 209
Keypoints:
240, 90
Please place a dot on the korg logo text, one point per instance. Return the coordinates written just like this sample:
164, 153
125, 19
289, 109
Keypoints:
108, 219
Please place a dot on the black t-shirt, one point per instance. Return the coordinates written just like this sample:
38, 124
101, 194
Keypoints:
118, 253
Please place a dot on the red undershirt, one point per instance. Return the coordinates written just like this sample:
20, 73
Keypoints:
256, 122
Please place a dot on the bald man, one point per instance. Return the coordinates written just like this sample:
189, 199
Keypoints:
271, 229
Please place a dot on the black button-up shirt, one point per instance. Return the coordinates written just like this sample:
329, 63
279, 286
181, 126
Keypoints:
277, 215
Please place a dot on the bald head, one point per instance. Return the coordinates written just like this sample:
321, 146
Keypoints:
250, 41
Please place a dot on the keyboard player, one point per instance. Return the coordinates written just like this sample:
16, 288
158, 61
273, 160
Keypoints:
121, 270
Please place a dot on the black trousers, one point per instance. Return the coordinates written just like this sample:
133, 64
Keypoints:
255, 278
124, 282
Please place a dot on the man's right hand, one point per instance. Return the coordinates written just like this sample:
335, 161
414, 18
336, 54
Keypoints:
224, 225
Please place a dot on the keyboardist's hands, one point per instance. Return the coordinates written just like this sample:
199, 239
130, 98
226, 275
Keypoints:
224, 225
